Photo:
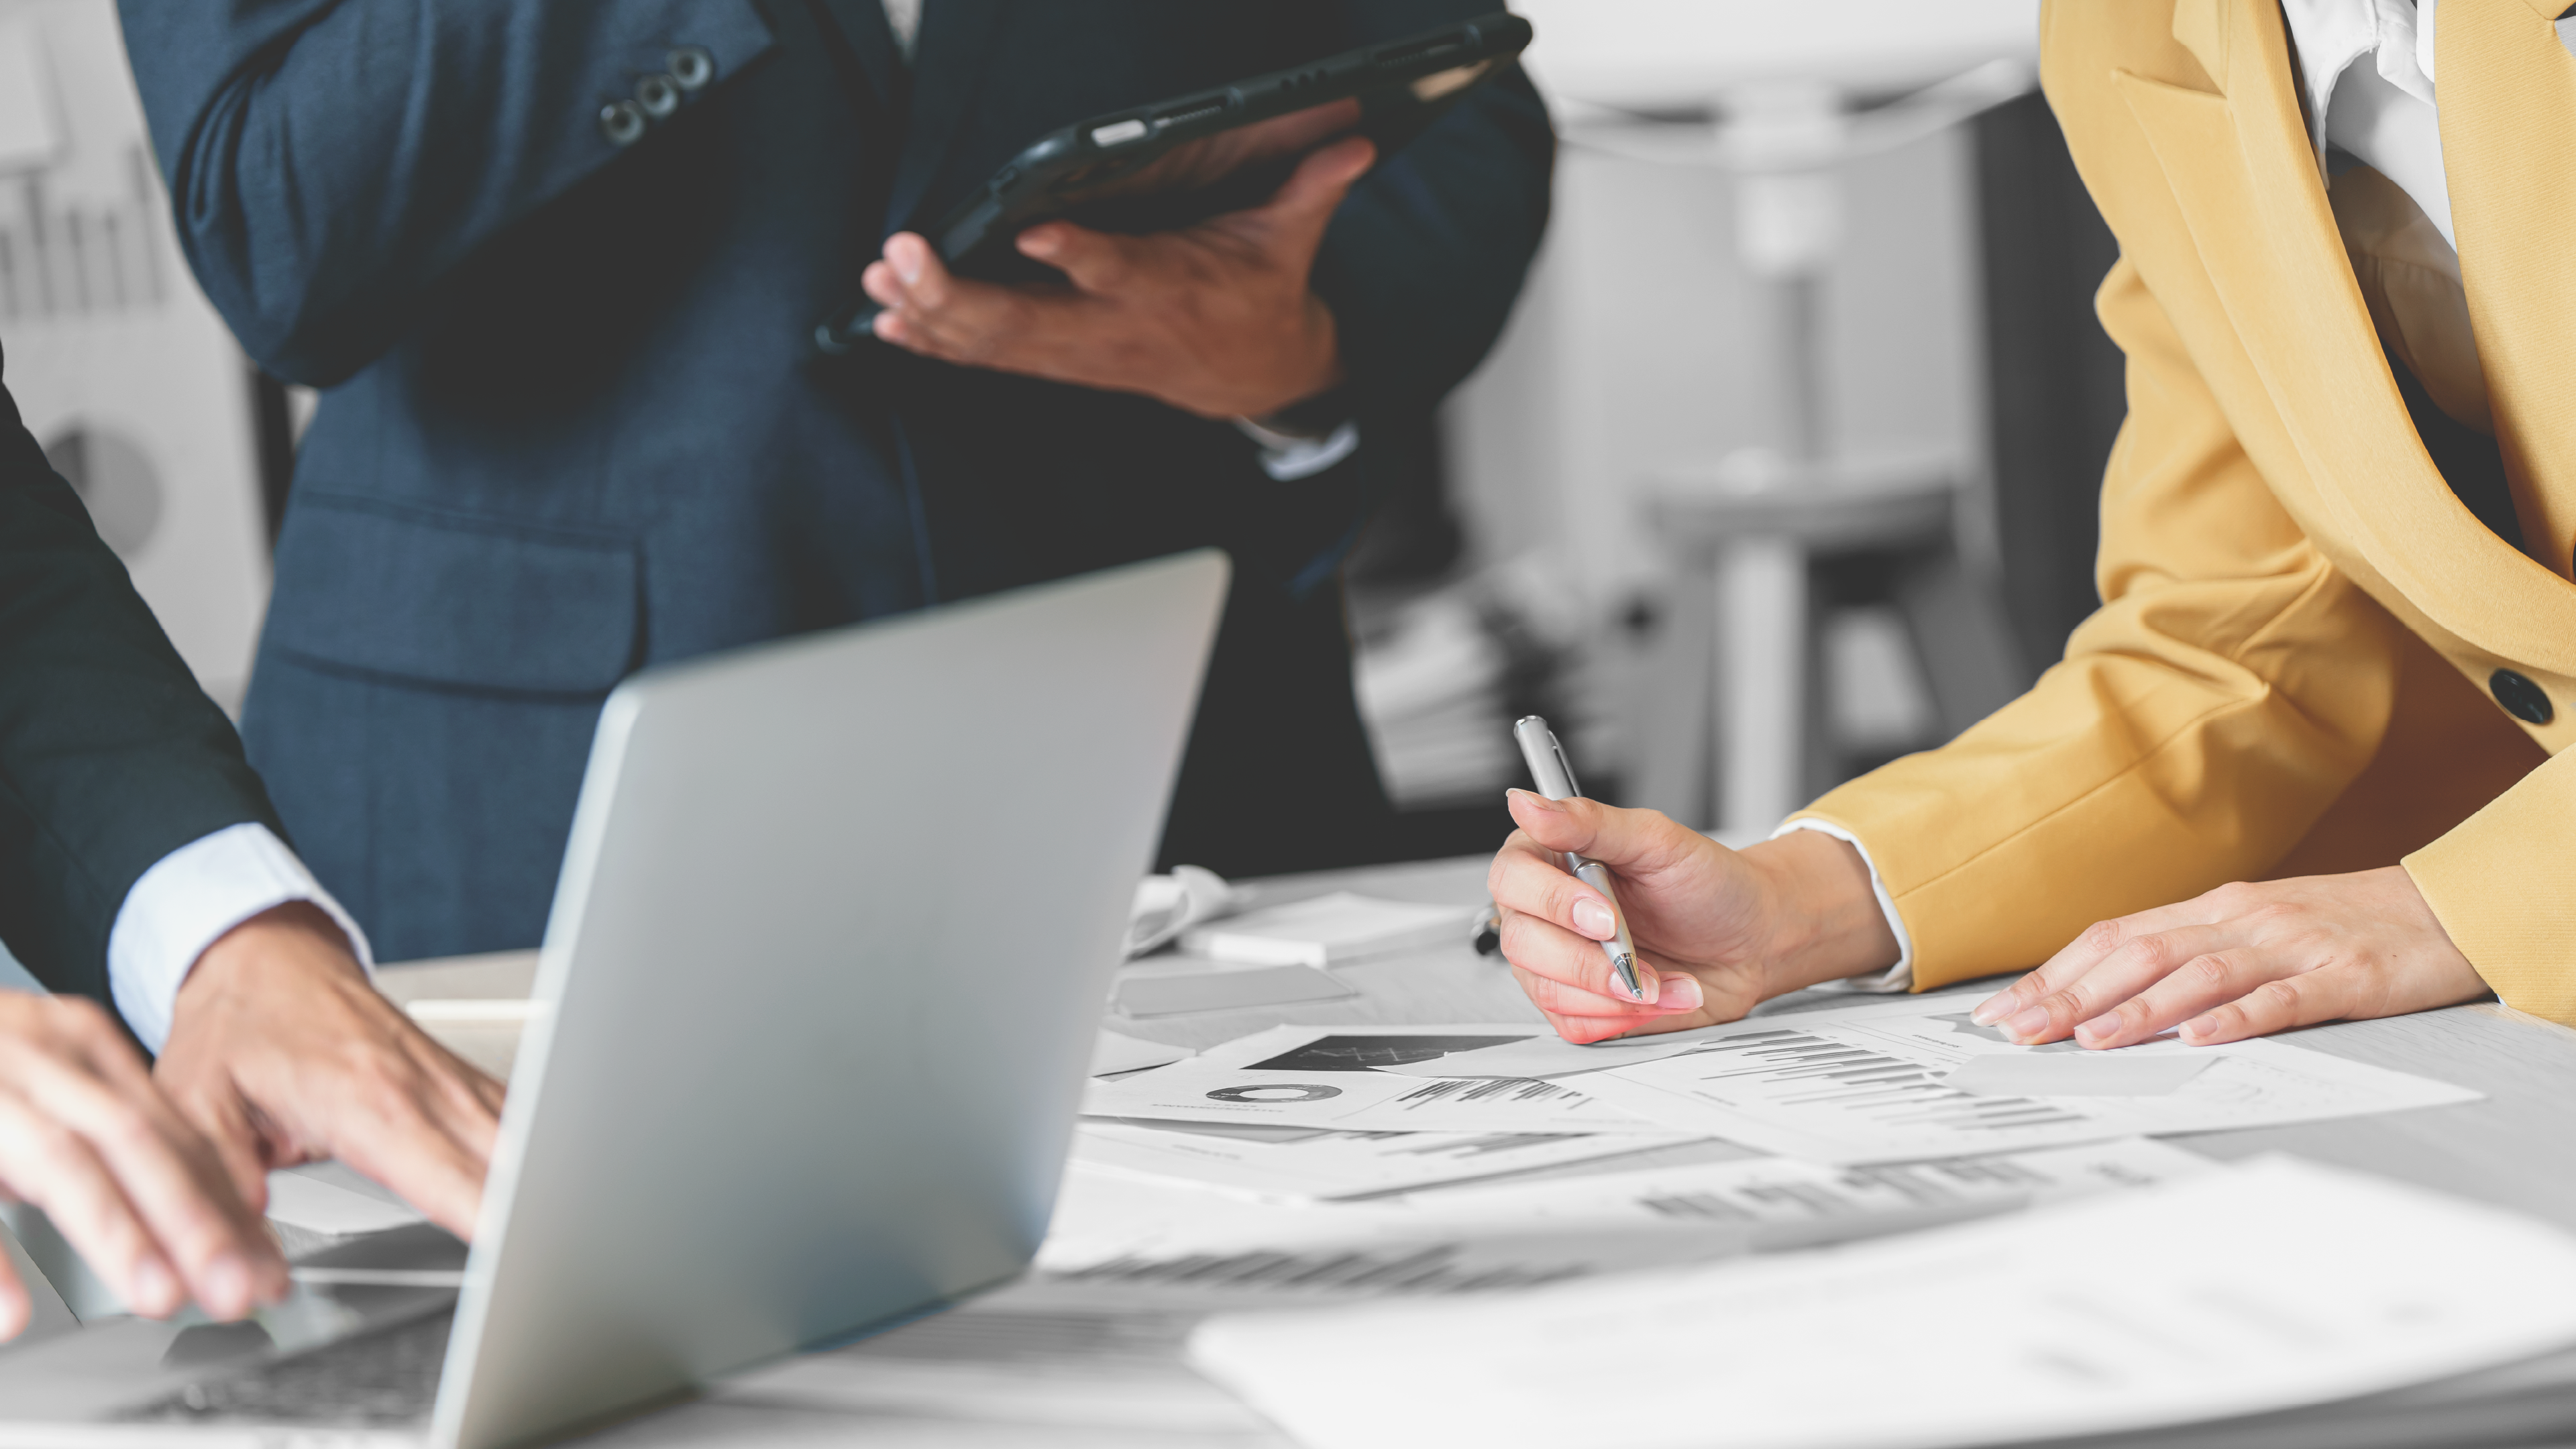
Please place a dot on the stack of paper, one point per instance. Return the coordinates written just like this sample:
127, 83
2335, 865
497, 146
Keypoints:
2260, 1289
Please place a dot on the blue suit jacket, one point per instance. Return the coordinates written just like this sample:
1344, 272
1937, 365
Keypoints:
572, 425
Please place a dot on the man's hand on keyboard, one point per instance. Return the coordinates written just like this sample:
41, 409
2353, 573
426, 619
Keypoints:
86, 1136
282, 1052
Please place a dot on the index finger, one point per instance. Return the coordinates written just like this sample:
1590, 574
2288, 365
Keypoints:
1526, 877
2074, 959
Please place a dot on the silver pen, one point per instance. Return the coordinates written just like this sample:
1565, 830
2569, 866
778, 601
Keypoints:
1554, 775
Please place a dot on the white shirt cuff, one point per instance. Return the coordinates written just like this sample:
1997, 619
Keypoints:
1288, 458
189, 899
1899, 977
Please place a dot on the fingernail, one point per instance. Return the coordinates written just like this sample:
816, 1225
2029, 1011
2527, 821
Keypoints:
156, 1292
1993, 1009
907, 262
2199, 1026
2099, 1028
2028, 1023
227, 1289
1533, 800
1594, 919
1680, 993
1039, 243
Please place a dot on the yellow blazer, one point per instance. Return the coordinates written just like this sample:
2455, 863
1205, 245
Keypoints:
2290, 670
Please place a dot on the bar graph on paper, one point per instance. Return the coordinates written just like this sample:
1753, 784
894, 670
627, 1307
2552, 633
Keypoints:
1873, 1084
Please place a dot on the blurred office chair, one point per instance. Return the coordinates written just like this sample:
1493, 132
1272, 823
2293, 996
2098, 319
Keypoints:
1741, 707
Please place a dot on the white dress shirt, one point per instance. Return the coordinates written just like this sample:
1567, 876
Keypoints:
905, 17
2367, 67
189, 898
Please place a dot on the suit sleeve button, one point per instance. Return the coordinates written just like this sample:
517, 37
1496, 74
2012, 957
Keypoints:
2520, 697
692, 66
659, 95
622, 122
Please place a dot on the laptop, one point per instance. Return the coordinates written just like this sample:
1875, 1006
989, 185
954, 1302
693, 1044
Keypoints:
817, 998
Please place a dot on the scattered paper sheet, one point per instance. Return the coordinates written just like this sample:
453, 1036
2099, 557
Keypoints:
1548, 1056
1179, 993
1128, 1234
2263, 1287
1330, 930
1869, 1084
1789, 1190
1311, 1076
1317, 1163
1116, 1052
1166, 905
2078, 1074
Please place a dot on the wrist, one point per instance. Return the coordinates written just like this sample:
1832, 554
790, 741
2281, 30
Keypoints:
1307, 386
1825, 921
295, 928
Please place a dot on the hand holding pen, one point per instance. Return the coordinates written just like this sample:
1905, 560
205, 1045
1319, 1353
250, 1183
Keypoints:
1713, 931
1554, 775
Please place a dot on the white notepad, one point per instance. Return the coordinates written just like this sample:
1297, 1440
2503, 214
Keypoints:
1329, 930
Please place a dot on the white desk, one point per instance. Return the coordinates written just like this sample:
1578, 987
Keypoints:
1046, 1363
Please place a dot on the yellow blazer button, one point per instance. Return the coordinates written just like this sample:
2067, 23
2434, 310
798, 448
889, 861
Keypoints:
2520, 697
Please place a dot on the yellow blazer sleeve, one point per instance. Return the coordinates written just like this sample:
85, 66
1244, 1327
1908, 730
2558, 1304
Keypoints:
2498, 882
2232, 684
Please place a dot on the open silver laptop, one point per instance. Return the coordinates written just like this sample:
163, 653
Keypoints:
826, 962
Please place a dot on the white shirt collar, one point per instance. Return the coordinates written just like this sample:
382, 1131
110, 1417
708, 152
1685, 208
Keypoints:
2383, 112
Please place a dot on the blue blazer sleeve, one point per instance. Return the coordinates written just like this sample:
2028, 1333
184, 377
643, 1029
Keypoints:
1425, 259
330, 160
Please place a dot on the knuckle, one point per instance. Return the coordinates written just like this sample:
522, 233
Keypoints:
2102, 937
2234, 898
2210, 971
2270, 916
2157, 953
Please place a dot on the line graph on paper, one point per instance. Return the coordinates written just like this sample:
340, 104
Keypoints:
1873, 1084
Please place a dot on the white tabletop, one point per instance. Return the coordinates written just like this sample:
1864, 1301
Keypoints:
1051, 1363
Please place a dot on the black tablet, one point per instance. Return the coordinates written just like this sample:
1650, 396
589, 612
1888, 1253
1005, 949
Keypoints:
1164, 166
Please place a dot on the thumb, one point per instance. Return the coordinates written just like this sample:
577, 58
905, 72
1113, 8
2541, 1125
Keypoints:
1096, 262
1303, 207
1631, 842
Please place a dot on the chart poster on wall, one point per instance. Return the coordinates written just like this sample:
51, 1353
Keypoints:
123, 371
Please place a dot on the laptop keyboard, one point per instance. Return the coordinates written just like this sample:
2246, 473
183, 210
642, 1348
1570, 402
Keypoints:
386, 1379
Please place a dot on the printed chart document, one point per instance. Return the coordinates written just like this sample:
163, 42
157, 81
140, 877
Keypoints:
1312, 1076
2263, 1287
1310, 1164
1898, 1080
1789, 1190
1130, 1233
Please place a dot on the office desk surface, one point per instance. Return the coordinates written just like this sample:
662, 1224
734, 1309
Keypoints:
1050, 1363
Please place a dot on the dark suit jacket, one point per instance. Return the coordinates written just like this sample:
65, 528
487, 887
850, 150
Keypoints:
110, 756
573, 426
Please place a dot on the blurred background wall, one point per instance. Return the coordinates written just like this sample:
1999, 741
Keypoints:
123, 371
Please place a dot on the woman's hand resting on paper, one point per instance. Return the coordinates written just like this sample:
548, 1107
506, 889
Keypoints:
1717, 930
2244, 960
